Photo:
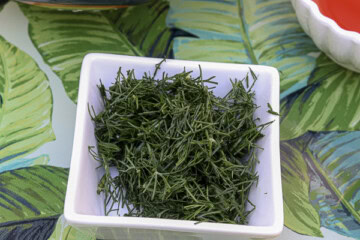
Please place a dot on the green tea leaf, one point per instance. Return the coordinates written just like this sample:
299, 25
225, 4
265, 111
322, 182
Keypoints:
64, 231
257, 32
25, 104
328, 103
208, 172
63, 38
32, 193
300, 215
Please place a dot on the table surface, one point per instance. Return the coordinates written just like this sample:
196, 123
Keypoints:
41, 51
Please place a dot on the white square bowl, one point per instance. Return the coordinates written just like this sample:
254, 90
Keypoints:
84, 209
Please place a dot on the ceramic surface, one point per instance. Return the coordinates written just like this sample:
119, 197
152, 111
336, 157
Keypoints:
340, 45
84, 208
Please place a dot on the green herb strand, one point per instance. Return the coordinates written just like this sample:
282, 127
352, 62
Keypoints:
180, 151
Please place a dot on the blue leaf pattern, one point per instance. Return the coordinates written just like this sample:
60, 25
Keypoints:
27, 162
257, 32
338, 154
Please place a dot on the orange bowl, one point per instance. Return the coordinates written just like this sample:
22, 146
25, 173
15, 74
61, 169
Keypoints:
334, 27
346, 13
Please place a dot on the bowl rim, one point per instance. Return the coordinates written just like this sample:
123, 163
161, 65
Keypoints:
352, 35
84, 220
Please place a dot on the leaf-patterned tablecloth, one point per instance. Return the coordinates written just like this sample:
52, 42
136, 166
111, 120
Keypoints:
41, 51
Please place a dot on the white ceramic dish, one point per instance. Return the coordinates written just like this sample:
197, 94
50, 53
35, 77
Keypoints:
340, 45
84, 208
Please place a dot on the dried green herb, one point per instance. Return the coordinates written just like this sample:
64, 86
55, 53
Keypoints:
180, 152
271, 111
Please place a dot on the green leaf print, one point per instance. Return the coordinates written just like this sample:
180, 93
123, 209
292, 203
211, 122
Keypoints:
25, 104
333, 159
255, 32
63, 38
300, 215
30, 229
321, 184
328, 103
63, 231
148, 32
20, 163
30, 196
32, 192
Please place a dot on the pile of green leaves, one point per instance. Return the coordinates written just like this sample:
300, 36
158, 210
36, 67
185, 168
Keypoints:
180, 152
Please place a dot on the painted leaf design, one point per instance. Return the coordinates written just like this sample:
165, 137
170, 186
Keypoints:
328, 103
31, 197
83, 4
32, 192
148, 32
321, 182
63, 231
21, 163
257, 32
335, 180
63, 38
299, 214
28, 229
25, 104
